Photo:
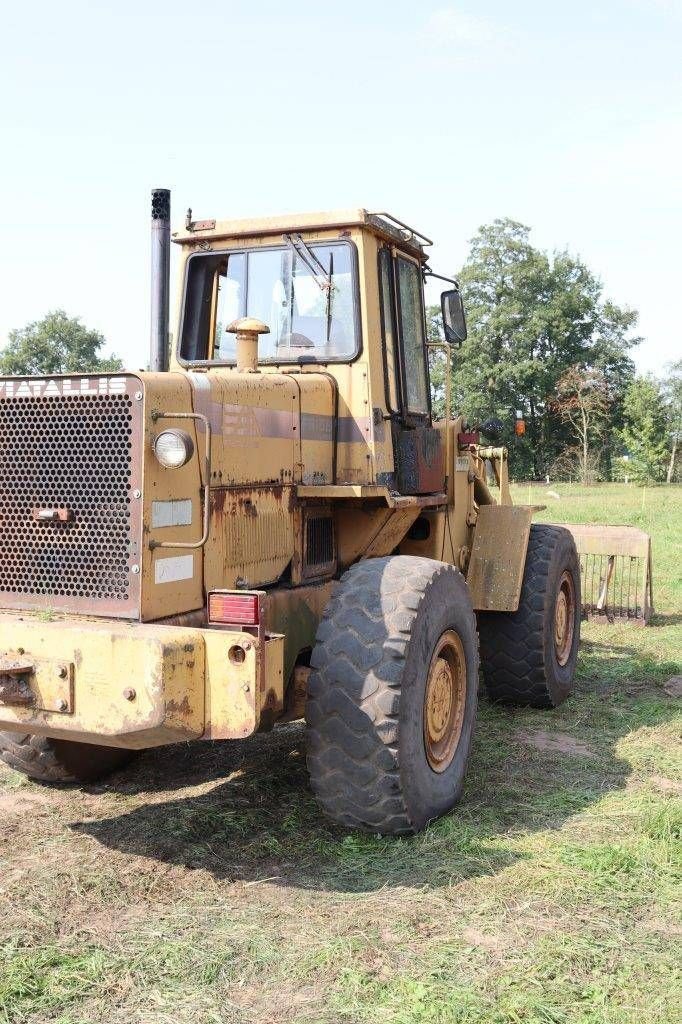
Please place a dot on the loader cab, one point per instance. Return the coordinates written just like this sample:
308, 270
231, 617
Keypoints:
339, 295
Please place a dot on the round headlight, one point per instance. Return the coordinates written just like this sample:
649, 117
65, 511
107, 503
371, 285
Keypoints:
173, 448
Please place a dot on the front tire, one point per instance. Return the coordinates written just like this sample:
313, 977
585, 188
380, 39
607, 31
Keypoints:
50, 760
392, 695
529, 657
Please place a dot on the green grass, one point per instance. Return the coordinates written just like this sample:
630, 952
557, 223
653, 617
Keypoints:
202, 885
657, 510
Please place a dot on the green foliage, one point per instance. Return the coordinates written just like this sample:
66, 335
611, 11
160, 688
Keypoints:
531, 317
672, 394
56, 344
644, 431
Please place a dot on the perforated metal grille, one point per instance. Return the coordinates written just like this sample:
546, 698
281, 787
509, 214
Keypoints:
71, 453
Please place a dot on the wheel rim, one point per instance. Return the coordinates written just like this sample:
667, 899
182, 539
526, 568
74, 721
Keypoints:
444, 700
564, 619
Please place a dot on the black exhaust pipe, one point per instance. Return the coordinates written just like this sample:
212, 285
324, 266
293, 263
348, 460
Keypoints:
160, 341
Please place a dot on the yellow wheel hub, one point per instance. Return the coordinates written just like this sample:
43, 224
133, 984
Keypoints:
564, 619
444, 701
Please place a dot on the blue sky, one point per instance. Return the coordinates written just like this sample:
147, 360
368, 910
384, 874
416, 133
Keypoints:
567, 117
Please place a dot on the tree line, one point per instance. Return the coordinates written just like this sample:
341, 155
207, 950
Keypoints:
542, 341
545, 342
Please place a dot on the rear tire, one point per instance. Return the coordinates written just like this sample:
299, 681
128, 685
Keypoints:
392, 695
50, 760
529, 656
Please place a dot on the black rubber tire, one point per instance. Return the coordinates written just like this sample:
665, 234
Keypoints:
50, 760
518, 657
365, 743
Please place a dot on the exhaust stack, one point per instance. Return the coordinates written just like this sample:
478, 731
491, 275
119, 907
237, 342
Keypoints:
160, 282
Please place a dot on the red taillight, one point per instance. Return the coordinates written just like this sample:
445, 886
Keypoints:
233, 609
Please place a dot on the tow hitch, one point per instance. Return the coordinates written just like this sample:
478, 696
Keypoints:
15, 687
40, 683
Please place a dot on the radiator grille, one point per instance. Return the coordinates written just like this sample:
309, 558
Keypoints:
72, 453
319, 543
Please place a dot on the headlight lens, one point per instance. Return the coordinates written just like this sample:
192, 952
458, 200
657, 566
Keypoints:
173, 448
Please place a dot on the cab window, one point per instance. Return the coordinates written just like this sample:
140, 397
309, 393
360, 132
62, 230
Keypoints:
411, 320
307, 296
389, 330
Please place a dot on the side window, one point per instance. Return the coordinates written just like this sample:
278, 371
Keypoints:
411, 317
388, 324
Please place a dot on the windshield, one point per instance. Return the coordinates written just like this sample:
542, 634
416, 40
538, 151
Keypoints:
304, 293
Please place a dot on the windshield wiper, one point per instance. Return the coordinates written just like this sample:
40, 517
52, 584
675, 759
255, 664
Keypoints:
323, 280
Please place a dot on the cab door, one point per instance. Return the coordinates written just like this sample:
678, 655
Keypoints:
417, 448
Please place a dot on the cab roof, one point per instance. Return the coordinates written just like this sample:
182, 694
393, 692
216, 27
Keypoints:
382, 224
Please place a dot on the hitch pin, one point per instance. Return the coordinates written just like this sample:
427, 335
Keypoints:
52, 515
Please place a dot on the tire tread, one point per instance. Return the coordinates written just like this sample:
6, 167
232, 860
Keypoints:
352, 711
47, 760
512, 657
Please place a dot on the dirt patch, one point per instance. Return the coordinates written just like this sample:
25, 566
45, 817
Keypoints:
484, 940
106, 924
14, 801
664, 785
673, 686
668, 928
559, 742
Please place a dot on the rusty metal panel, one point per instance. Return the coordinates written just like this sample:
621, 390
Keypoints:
597, 539
138, 685
251, 538
421, 462
126, 684
498, 557
295, 613
319, 427
255, 422
171, 579
45, 684
396, 524
70, 463
241, 690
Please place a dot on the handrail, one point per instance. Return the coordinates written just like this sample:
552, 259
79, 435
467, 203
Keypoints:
400, 223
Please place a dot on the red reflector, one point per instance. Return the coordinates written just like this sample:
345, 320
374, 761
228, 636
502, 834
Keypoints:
233, 609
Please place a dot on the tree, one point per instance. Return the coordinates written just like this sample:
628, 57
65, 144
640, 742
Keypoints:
583, 401
531, 318
644, 433
56, 344
672, 393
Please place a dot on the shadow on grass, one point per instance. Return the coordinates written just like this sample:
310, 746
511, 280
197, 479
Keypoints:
259, 820
664, 619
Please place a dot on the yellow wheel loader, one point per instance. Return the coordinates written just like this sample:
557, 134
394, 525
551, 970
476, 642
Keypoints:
269, 525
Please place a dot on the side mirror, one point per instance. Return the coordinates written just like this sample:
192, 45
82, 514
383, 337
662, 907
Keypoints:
454, 322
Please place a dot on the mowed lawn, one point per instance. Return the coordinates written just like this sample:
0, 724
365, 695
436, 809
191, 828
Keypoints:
202, 885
